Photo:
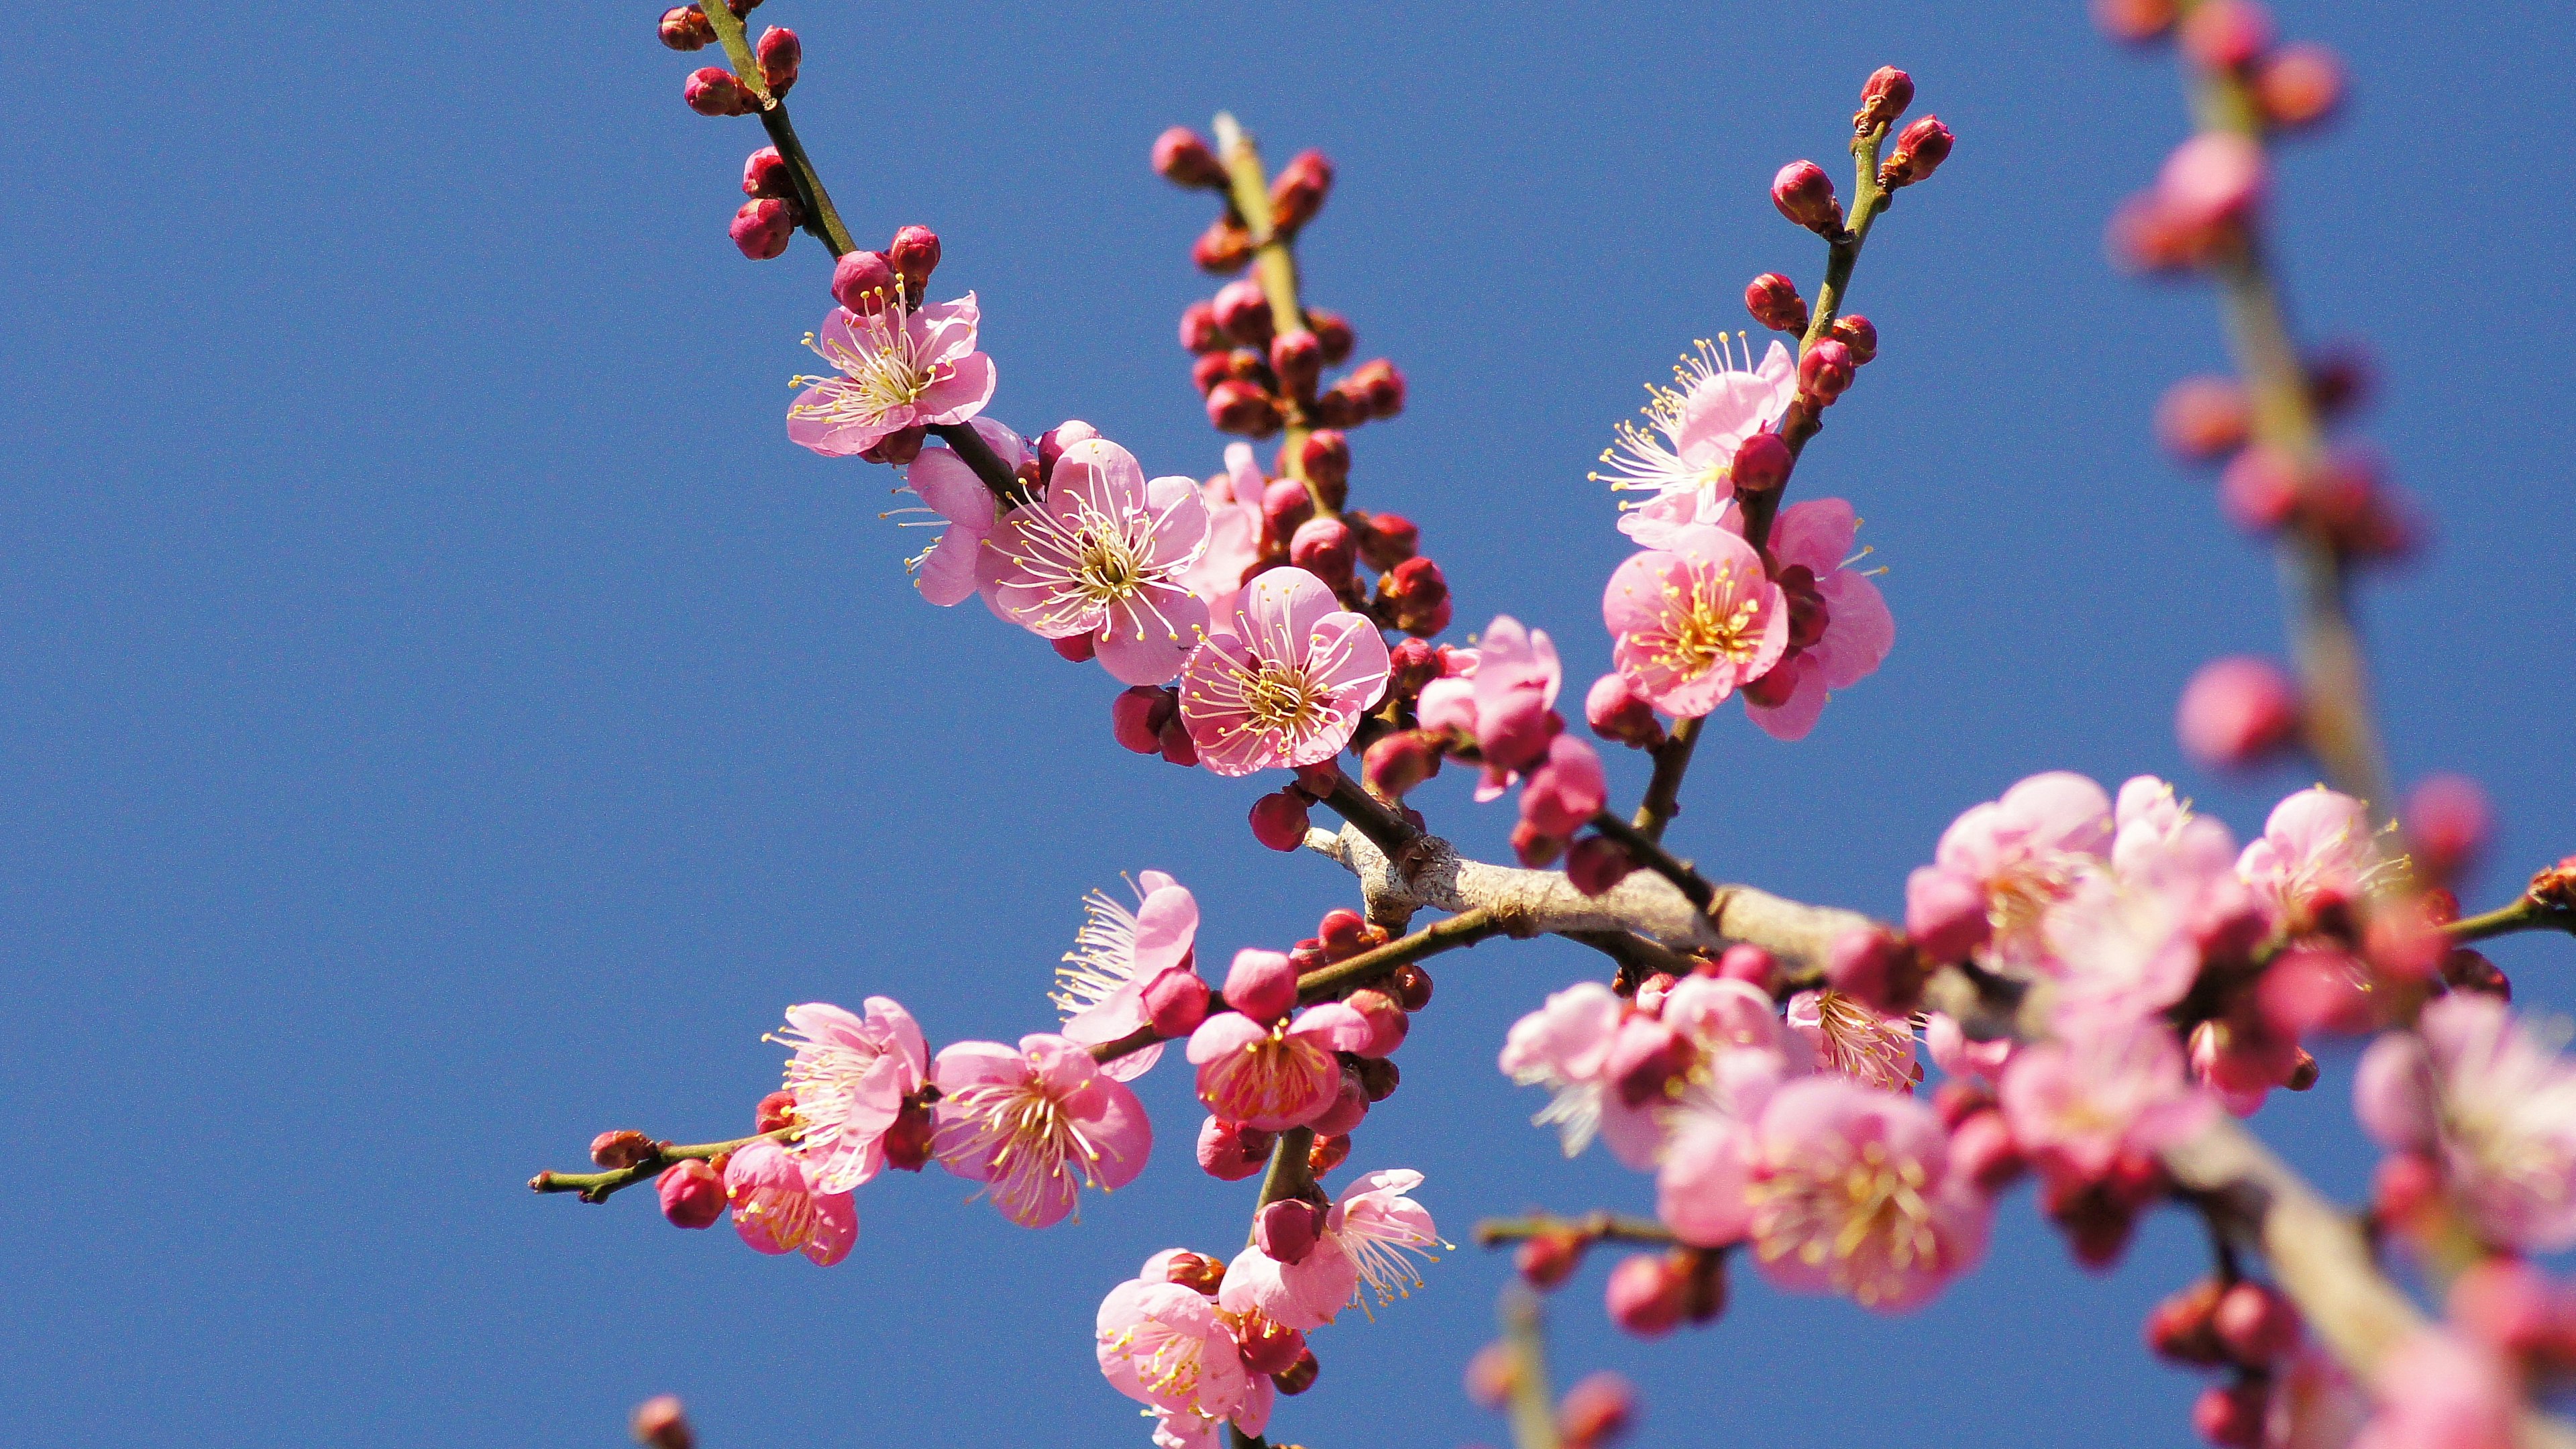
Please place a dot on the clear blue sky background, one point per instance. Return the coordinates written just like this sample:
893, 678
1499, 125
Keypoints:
442, 717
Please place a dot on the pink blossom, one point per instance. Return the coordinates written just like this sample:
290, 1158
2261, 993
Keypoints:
2076, 1106
2496, 1102
1683, 454
1957, 1056
899, 369
2438, 1391
850, 1076
1036, 1125
1283, 682
1567, 790
2316, 846
2023, 854
1167, 1347
778, 1210
1811, 553
1275, 1075
2129, 943
949, 490
1233, 502
1364, 1245
1694, 620
1851, 1193
1116, 955
1104, 554
1511, 688
1565, 1046
1844, 1034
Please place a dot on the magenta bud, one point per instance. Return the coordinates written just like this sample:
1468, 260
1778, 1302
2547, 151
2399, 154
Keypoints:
1595, 1411
1919, 151
1597, 863
1825, 372
2447, 822
2237, 712
762, 228
864, 282
1285, 508
1751, 965
776, 1110
660, 1423
1390, 540
1805, 195
1381, 383
2298, 85
1547, 1260
1075, 648
1874, 968
1231, 1152
1616, 711
1387, 1021
2255, 1324
2226, 34
1243, 312
1945, 913
1178, 747
779, 53
1396, 763
1647, 1294
765, 173
914, 255
1334, 331
2215, 178
1199, 332
713, 91
1534, 847
1325, 548
1298, 359
2202, 418
1774, 302
692, 1194
685, 27
1298, 191
1326, 454
1138, 714
1883, 98
622, 1149
1261, 984
1224, 247
1236, 406
2259, 489
1286, 1230
1411, 664
898, 448
1762, 462
1279, 820
1183, 158
1348, 1109
1176, 1001
1859, 334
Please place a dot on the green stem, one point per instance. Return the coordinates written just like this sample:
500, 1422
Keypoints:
1595, 1227
820, 217
1533, 1402
1869, 202
2525, 914
1288, 1176
598, 1186
1274, 266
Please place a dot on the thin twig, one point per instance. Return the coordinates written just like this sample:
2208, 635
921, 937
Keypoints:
1593, 1227
1645, 850
1274, 267
1663, 798
600, 1186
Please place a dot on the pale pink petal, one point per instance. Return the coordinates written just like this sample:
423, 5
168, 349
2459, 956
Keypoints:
1859, 630
1795, 716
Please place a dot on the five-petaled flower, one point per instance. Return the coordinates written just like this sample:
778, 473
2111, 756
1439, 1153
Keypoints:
850, 1076
1284, 680
1694, 620
900, 368
1692, 431
1036, 1124
778, 1209
1100, 988
1363, 1245
1105, 554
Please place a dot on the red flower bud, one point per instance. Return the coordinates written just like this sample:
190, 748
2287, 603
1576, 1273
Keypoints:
692, 1194
713, 91
1298, 1377
686, 27
2230, 1416
2202, 418
1751, 965
1243, 312
2179, 1329
776, 1110
1223, 248
907, 1142
1184, 159
1389, 540
1596, 863
1287, 1230
1646, 1294
762, 228
864, 282
914, 255
1762, 462
1548, 1259
1982, 1147
1774, 302
2255, 1324
1326, 457
1327, 1154
2237, 712
1599, 1409
1138, 714
1298, 191
1919, 151
1334, 331
1324, 547
2260, 489
1381, 383
1883, 98
1805, 195
1199, 332
897, 448
1075, 648
1876, 969
1396, 763
1378, 1077
1385, 1018
1616, 711
1411, 985
2447, 823
1298, 359
765, 173
2212, 181
1231, 1152
779, 53
1279, 820
2134, 21
2226, 34
1857, 333
1285, 507
619, 1150
1235, 406
660, 1423
2298, 85
1825, 371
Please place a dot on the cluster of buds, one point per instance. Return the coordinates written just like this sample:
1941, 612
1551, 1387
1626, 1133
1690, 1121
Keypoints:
1596, 1412
686, 27
1270, 1349
1494, 707
2243, 1328
764, 225
2097, 1210
2290, 86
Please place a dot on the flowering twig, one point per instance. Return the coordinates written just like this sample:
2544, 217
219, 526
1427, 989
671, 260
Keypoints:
1274, 266
2526, 914
1663, 798
1596, 1227
816, 204
1532, 1402
598, 1186
1805, 419
1650, 853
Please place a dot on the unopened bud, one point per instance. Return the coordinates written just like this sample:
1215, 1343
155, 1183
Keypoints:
1883, 98
765, 173
2237, 712
1298, 359
1874, 968
779, 53
2298, 85
1327, 1154
1382, 384
1324, 547
896, 448
1243, 312
1387, 1021
776, 1110
2447, 823
686, 27
1749, 964
1262, 984
864, 282
1349, 1107
1411, 986
1919, 151
1326, 456
1548, 1259
2202, 418
2230, 1416
1646, 1295
1334, 331
1231, 1152
692, 1194
2134, 21
1762, 461
1983, 1148
2213, 180
914, 255
1288, 1229
1616, 711
1235, 406
1298, 1377
1285, 508
714, 91
1175, 1001
2179, 1329
1137, 717
1182, 157
1805, 195
1298, 191
1223, 248
764, 227
1825, 372
660, 1423
2260, 489
617, 1151
907, 1142
1599, 1409
1397, 763
1075, 648
1378, 1077
2226, 34
1389, 540
1199, 332
1597, 863
1774, 302
1859, 334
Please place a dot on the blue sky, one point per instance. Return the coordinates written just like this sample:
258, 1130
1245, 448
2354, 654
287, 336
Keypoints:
441, 717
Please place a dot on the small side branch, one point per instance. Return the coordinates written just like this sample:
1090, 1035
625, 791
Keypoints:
1594, 1227
1663, 798
599, 1186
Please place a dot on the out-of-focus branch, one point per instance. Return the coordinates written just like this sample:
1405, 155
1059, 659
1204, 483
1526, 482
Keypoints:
1531, 1402
598, 1186
1595, 1227
1530, 902
2530, 913
1274, 266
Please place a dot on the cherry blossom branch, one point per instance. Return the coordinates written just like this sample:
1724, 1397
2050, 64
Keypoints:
2527, 914
1805, 418
599, 1186
1388, 831
1532, 1402
821, 220
1593, 1227
1663, 798
2335, 714
1274, 266
1650, 853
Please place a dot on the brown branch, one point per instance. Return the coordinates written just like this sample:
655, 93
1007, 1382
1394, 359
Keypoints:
1663, 798
1647, 852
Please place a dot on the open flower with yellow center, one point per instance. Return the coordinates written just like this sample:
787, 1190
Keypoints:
1106, 554
1680, 457
1036, 1125
1695, 620
1284, 680
1851, 1193
899, 368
